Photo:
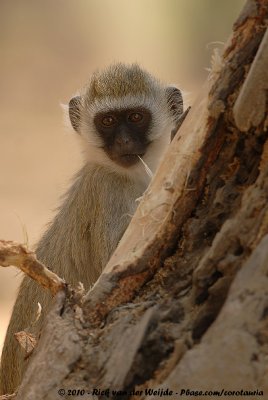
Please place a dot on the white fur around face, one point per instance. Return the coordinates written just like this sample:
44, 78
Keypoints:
159, 134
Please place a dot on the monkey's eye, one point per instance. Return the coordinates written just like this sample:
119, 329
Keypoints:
135, 117
109, 120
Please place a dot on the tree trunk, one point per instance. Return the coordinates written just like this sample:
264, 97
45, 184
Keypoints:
183, 302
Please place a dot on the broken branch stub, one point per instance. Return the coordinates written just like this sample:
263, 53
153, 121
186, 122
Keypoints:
17, 255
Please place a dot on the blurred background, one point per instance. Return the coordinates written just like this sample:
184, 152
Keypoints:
48, 51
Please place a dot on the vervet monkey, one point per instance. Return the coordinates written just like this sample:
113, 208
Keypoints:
123, 119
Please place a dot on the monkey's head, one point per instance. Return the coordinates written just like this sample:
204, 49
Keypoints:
125, 115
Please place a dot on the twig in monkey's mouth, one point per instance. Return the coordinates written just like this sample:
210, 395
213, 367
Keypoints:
147, 169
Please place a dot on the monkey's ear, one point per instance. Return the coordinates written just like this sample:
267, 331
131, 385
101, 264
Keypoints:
175, 102
74, 112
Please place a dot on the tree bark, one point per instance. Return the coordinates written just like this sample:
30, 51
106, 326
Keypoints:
183, 302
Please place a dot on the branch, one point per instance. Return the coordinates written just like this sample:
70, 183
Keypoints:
15, 254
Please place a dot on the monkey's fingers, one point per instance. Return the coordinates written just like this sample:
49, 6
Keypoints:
12, 253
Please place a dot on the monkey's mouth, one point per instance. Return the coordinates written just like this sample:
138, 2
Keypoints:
127, 157
130, 159
132, 156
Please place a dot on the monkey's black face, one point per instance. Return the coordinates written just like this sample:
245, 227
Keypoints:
124, 134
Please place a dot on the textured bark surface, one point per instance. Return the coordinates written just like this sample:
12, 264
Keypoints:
183, 302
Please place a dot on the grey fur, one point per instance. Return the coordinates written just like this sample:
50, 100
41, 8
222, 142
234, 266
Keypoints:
80, 257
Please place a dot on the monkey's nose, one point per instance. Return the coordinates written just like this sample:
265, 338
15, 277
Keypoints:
122, 139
